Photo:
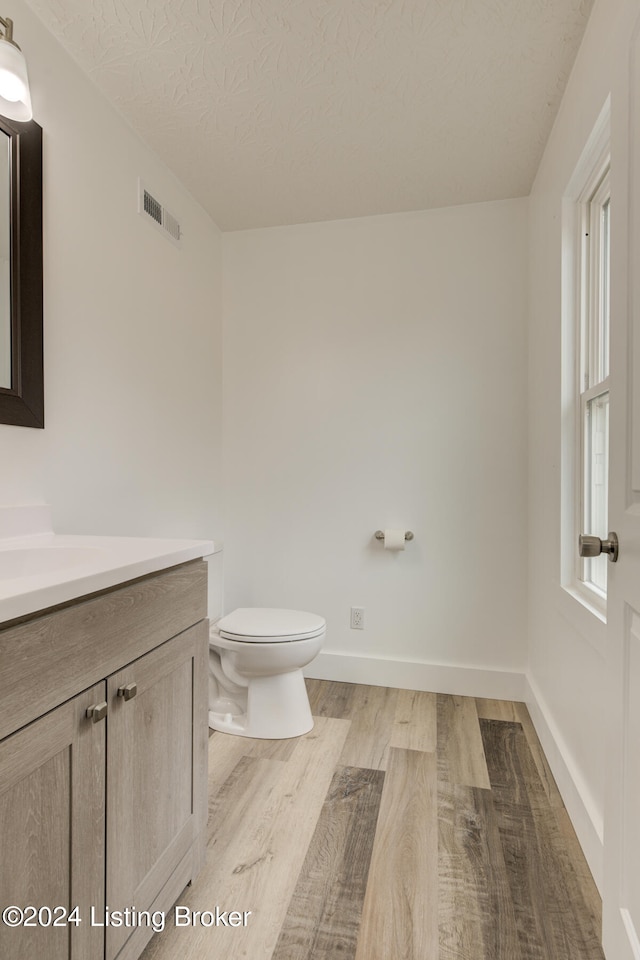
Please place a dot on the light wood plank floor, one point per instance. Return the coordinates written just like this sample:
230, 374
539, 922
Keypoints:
404, 826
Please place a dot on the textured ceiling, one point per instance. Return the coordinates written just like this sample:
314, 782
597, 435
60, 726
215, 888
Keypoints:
286, 111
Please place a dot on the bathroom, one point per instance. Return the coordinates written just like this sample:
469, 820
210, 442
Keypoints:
289, 389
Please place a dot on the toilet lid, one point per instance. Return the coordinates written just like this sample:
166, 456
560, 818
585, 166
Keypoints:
268, 625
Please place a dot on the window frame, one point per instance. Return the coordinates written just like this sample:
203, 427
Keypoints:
592, 355
580, 354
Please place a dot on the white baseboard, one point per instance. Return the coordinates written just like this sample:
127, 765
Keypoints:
582, 809
630, 933
418, 675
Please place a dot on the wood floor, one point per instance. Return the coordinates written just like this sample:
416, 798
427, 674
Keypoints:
404, 826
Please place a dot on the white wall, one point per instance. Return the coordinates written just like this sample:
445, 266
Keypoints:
375, 375
567, 644
132, 328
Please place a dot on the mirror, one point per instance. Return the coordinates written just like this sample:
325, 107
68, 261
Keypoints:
21, 361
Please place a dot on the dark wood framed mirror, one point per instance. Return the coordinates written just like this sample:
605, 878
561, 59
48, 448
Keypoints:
21, 341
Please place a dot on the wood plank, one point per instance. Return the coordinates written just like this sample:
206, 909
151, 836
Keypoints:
414, 724
225, 752
245, 799
578, 868
475, 912
542, 764
324, 914
460, 750
553, 920
400, 913
527, 877
372, 715
270, 749
496, 709
330, 698
263, 821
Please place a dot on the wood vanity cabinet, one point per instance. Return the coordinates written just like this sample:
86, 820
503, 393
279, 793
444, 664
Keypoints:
110, 813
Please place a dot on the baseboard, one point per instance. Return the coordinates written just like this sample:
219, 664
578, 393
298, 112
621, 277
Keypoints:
418, 675
582, 809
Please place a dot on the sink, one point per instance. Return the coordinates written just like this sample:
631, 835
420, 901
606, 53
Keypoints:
16, 563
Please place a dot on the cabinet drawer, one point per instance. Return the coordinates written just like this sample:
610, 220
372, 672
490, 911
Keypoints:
46, 660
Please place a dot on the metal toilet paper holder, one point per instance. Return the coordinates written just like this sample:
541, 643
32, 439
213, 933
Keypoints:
379, 535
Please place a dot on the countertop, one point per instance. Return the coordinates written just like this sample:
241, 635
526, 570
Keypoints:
42, 569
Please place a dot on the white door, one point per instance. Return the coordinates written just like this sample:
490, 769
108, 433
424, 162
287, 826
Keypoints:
621, 900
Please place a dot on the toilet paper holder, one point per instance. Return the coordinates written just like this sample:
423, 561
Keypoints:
379, 535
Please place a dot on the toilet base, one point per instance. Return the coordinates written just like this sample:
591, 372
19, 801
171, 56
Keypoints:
280, 705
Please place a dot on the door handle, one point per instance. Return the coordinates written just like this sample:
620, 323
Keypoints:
594, 546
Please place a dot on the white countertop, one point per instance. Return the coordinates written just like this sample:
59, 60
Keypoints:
42, 569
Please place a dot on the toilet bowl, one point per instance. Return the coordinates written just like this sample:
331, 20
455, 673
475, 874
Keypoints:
256, 686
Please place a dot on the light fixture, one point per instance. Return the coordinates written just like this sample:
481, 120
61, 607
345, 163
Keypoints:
15, 99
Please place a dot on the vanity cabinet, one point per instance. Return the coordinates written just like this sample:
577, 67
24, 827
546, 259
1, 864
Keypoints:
106, 809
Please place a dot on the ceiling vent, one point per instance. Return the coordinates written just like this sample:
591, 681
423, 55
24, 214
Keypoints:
156, 213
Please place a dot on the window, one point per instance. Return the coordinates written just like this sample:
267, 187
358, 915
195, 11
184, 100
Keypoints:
594, 374
586, 258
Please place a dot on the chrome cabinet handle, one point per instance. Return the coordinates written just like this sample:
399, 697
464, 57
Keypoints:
594, 546
128, 691
98, 711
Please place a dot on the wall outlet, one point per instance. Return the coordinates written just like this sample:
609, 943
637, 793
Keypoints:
357, 618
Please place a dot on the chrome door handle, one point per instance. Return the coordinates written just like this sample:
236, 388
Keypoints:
594, 546
128, 691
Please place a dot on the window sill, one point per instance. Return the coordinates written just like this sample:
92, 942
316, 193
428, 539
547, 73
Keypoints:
590, 600
587, 614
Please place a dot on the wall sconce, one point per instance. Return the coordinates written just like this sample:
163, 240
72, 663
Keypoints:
15, 98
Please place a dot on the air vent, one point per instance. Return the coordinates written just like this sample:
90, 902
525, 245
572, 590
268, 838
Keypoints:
171, 225
154, 212
152, 207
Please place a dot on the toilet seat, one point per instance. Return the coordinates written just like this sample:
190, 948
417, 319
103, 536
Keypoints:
269, 625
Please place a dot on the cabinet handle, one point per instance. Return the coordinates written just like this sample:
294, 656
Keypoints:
98, 711
128, 691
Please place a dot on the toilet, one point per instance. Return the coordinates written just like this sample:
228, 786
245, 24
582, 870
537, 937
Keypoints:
256, 686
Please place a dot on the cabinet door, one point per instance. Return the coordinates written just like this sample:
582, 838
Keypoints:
52, 781
156, 779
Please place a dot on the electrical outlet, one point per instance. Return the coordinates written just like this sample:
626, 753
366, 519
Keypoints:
357, 618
